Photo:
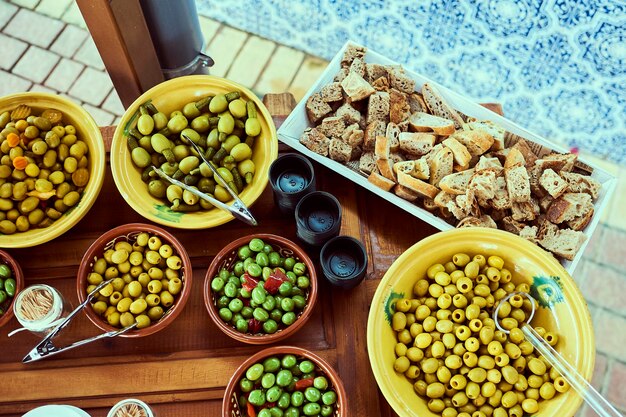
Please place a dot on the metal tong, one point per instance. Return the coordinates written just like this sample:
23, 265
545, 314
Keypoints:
47, 348
239, 210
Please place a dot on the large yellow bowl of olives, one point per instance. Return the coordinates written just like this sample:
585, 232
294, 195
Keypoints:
445, 342
217, 115
51, 167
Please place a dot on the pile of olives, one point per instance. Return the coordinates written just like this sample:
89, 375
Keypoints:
146, 275
8, 286
44, 168
224, 127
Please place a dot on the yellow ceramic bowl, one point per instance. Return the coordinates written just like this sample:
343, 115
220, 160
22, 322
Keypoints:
170, 96
87, 130
562, 309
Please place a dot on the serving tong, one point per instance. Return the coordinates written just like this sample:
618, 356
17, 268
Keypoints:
592, 397
47, 348
238, 209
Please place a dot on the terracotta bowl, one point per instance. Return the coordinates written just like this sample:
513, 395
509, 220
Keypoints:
19, 281
230, 404
128, 232
227, 258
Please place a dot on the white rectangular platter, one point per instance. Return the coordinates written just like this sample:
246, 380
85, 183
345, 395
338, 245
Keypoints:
292, 129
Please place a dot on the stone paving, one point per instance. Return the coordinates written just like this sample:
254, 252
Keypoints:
45, 46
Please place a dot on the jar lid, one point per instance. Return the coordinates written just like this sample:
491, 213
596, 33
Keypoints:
344, 261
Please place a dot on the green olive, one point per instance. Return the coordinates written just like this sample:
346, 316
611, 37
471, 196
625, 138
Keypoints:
177, 123
218, 104
188, 164
226, 123
237, 108
253, 127
240, 152
145, 124
140, 157
230, 142
191, 111
201, 123
157, 188
160, 120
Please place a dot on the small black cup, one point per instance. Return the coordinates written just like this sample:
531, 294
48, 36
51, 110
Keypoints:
318, 218
344, 261
292, 177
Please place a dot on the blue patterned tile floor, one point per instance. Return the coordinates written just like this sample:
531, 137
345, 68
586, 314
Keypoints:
558, 66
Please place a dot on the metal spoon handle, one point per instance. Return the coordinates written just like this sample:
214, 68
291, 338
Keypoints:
571, 375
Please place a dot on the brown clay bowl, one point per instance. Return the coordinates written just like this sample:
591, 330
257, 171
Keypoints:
230, 404
227, 258
128, 232
19, 284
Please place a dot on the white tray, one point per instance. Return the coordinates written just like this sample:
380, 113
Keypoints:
292, 129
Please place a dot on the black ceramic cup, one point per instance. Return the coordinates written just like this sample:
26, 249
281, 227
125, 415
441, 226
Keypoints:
291, 177
344, 261
318, 218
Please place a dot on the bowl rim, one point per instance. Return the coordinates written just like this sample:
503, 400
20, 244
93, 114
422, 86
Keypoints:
256, 188
18, 274
580, 311
328, 370
92, 190
123, 230
268, 338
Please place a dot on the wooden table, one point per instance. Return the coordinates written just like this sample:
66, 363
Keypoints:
182, 370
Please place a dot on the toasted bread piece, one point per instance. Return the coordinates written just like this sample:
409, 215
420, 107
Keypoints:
486, 162
341, 75
529, 156
348, 113
367, 162
484, 185
578, 183
429, 204
534, 175
380, 181
501, 200
332, 127
399, 109
513, 226
545, 201
385, 167
331, 93
456, 183
400, 80
554, 164
518, 184
378, 107
568, 160
405, 192
492, 129
381, 84
568, 207
580, 222
553, 183
315, 141
356, 88
374, 72
396, 157
382, 149
564, 243
393, 135
339, 151
438, 106
525, 211
424, 122
417, 103
316, 108
459, 152
416, 168
416, 143
352, 52
514, 158
483, 221
421, 187
372, 131
440, 165
476, 141
358, 66
353, 135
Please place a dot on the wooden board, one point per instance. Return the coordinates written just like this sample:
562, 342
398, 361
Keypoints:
182, 370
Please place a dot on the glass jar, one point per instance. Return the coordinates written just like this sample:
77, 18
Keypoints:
129, 402
50, 299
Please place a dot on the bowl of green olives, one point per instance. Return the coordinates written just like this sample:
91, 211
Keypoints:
11, 283
433, 342
260, 289
52, 164
287, 381
151, 279
228, 124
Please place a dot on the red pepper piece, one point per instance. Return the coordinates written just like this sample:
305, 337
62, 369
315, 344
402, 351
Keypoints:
273, 282
249, 283
269, 405
304, 383
245, 301
251, 412
254, 326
